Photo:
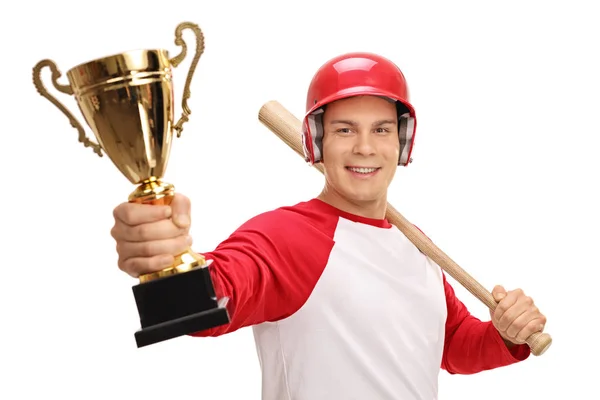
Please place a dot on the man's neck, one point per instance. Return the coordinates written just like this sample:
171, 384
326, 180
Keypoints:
374, 209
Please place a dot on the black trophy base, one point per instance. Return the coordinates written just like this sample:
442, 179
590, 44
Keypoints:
184, 325
178, 305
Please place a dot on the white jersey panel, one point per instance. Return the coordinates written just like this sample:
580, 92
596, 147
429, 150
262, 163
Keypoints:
373, 327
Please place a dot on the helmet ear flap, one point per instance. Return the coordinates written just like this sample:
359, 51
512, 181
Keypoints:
406, 131
313, 146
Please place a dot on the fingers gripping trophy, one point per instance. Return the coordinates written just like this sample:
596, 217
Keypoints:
127, 100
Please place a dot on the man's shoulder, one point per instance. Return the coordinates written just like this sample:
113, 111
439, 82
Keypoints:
296, 219
286, 233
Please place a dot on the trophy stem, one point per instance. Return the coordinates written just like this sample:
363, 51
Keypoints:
153, 191
156, 192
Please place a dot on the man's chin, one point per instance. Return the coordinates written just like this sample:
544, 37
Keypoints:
365, 198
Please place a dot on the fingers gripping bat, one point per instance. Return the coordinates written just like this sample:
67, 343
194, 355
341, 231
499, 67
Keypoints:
288, 128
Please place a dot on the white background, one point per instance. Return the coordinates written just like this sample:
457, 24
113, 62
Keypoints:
504, 179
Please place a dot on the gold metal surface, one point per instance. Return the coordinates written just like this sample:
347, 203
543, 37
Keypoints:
183, 263
127, 101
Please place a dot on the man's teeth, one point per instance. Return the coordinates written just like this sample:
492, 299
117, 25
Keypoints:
362, 170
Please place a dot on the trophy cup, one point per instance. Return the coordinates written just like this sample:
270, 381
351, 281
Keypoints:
127, 101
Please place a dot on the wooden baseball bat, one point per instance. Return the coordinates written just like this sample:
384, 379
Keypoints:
288, 128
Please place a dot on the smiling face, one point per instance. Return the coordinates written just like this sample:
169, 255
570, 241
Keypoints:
360, 153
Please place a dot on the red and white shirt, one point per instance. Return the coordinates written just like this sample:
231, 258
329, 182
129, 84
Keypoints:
346, 307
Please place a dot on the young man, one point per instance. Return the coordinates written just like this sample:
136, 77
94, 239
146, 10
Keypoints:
342, 304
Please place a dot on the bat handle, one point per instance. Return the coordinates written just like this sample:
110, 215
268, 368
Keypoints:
539, 342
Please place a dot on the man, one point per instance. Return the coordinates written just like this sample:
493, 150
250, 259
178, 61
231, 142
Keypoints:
342, 304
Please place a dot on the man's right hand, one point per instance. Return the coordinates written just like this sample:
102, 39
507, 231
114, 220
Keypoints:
149, 236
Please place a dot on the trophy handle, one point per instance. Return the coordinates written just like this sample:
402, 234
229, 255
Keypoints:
66, 89
175, 61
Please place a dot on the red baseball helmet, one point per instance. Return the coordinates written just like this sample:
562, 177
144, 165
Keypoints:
355, 74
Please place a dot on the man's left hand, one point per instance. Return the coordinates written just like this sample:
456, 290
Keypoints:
516, 316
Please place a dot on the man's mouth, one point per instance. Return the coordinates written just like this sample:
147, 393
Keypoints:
362, 170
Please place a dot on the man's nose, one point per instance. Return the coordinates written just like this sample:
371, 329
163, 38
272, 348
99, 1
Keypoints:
364, 144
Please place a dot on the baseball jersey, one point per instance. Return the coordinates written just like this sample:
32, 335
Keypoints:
346, 307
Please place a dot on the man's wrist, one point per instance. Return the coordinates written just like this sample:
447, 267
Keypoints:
508, 343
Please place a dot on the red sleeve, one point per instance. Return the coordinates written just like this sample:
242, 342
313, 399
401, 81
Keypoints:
268, 267
471, 345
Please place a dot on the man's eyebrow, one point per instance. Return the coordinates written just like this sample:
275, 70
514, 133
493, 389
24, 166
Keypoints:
384, 122
343, 121
354, 123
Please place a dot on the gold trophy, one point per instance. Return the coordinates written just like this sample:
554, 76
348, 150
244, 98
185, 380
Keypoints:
127, 101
